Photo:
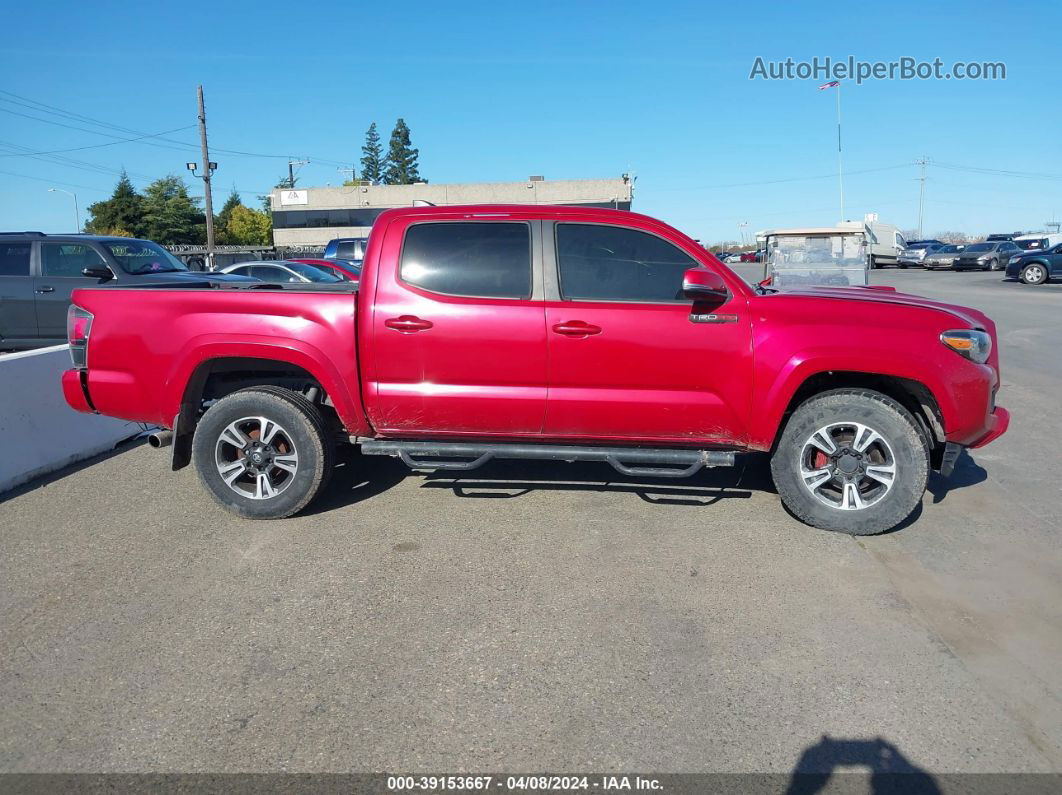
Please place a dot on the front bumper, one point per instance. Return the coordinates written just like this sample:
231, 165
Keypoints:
998, 422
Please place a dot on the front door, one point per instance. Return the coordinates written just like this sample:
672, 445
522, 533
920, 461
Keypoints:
458, 333
629, 357
60, 274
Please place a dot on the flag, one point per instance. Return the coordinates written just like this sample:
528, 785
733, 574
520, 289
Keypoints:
831, 84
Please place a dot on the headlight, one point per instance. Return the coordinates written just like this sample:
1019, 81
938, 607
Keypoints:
1015, 259
973, 344
982, 258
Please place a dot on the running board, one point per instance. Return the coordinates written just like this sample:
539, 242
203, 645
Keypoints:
675, 463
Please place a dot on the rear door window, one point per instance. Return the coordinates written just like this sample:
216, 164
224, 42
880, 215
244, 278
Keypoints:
482, 259
14, 259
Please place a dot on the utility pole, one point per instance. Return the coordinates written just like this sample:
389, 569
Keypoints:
291, 171
208, 169
921, 191
352, 171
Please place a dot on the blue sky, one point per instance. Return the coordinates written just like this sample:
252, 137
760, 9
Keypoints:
497, 91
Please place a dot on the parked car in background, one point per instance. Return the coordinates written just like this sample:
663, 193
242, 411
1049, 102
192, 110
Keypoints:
886, 243
38, 272
916, 252
282, 271
482, 339
987, 256
345, 269
733, 258
1036, 267
997, 238
943, 256
348, 248
1038, 242
753, 256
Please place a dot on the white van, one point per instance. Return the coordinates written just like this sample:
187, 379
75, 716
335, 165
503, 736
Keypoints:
885, 241
1038, 241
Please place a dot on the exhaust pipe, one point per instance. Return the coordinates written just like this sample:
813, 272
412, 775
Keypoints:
160, 439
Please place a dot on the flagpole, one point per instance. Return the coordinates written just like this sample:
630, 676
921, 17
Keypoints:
840, 169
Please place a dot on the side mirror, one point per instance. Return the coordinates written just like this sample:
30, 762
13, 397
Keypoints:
104, 274
701, 284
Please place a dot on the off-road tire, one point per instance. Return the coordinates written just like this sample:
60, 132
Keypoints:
908, 443
300, 420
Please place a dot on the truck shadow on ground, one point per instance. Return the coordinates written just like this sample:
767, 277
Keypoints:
890, 771
967, 472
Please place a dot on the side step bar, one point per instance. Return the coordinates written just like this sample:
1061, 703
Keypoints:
674, 463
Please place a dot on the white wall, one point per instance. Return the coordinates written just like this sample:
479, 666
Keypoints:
39, 433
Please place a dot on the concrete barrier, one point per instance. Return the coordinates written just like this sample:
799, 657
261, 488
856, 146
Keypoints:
39, 433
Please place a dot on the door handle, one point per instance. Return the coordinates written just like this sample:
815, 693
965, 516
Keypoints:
576, 328
407, 324
45, 290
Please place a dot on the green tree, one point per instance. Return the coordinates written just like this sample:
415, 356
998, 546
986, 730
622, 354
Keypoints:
401, 158
249, 227
372, 162
171, 216
221, 222
124, 211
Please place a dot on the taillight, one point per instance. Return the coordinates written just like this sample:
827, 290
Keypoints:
78, 327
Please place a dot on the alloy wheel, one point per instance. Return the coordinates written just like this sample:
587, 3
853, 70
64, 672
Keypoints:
256, 457
847, 465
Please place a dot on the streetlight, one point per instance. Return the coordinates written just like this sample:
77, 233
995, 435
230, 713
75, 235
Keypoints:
77, 215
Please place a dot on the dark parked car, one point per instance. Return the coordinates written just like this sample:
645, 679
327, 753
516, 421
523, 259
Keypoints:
987, 256
349, 248
1036, 267
345, 269
38, 272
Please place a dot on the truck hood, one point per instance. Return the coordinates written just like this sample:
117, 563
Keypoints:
878, 295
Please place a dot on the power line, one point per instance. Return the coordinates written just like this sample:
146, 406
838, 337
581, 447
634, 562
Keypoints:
788, 179
95, 146
53, 182
45, 108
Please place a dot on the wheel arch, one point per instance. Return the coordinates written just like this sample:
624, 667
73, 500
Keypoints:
912, 394
213, 377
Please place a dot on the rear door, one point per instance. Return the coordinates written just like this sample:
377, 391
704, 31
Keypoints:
458, 330
60, 274
630, 358
18, 318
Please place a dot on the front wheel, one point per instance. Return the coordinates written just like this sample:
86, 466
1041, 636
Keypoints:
1033, 274
851, 460
263, 452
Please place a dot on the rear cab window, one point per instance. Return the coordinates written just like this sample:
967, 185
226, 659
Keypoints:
479, 259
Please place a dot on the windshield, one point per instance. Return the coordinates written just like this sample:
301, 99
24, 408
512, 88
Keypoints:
950, 250
312, 273
980, 247
1035, 244
143, 256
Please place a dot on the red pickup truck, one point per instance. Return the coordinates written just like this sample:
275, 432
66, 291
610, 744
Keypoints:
544, 332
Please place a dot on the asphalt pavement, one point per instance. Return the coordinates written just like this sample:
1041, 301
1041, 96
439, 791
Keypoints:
546, 617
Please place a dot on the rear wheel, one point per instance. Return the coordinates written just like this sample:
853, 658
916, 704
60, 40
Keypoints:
263, 453
852, 461
1033, 274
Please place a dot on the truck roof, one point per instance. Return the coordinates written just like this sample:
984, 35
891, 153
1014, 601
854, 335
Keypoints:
501, 210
